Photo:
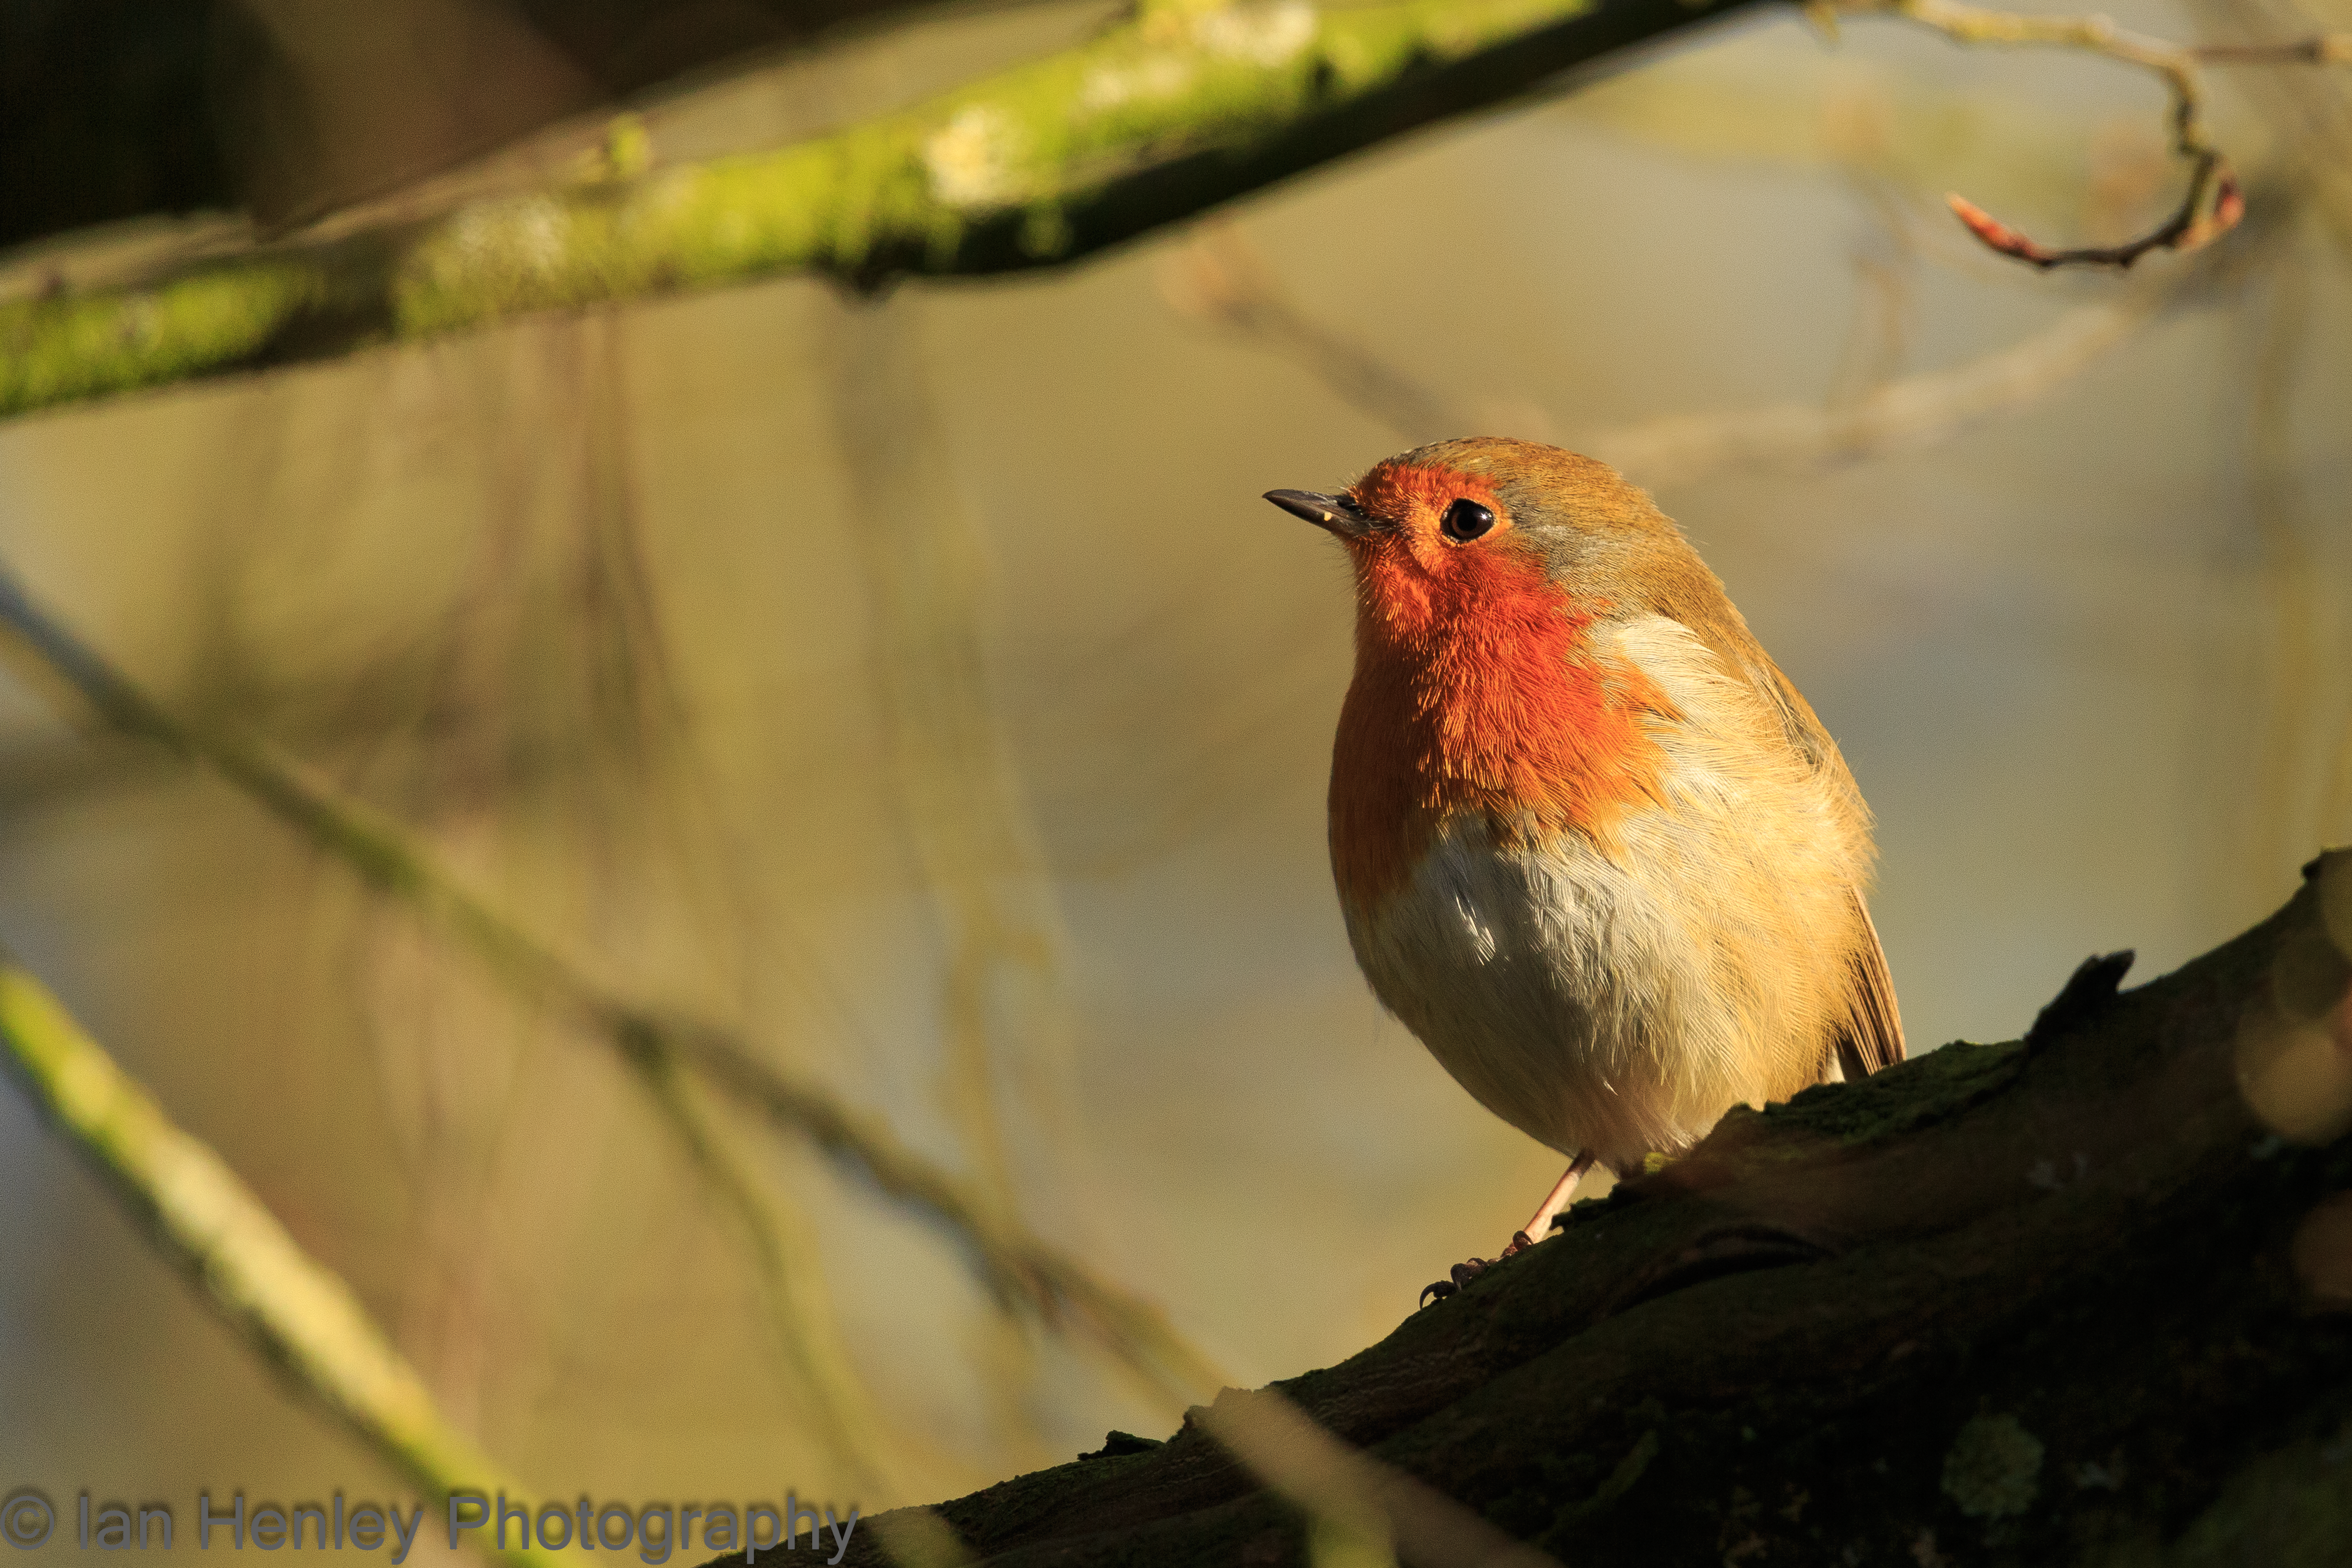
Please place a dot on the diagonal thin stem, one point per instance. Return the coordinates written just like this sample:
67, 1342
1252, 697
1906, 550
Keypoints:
1020, 1267
790, 1286
385, 858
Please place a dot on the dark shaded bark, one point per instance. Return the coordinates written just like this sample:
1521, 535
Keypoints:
114, 109
2070, 1299
102, 113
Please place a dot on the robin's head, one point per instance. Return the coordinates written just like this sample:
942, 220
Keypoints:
1481, 568
1460, 521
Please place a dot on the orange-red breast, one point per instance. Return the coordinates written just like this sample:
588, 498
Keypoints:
1592, 845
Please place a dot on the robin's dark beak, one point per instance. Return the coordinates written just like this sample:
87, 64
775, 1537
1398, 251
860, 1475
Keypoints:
1336, 513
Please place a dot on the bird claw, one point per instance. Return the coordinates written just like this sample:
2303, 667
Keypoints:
1463, 1273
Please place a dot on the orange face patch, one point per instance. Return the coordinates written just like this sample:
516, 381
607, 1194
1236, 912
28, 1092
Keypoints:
1475, 691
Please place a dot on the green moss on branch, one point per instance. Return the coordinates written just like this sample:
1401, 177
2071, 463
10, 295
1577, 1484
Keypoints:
1143, 125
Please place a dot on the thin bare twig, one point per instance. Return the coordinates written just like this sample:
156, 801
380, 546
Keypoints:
792, 1292
1921, 409
1220, 277
2214, 202
1021, 1267
2324, 49
298, 1313
2267, 786
1907, 411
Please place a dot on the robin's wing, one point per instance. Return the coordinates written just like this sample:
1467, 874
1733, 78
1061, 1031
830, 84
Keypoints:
1806, 736
1680, 587
1873, 1037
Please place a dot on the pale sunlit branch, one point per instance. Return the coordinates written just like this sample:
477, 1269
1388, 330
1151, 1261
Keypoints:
1360, 1511
298, 1313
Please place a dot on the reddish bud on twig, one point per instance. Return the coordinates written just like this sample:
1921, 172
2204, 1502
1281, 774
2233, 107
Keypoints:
1998, 235
2185, 230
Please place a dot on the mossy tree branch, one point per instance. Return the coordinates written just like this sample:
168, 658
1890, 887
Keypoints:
1186, 106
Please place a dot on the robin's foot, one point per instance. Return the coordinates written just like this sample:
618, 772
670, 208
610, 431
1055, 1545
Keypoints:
1463, 1273
1538, 1228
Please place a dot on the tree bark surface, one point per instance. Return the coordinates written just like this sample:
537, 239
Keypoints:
2078, 1299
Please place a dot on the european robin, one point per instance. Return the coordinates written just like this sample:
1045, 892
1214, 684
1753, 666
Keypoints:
1592, 845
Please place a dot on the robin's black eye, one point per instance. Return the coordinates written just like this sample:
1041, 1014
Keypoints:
1464, 521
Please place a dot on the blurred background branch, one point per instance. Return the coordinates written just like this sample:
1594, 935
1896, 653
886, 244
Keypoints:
2311, 109
1220, 280
223, 1240
389, 861
2212, 203
1021, 1268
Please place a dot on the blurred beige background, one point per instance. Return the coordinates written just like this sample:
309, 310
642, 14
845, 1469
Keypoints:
920, 684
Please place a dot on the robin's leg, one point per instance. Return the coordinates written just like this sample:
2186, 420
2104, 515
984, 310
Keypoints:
1562, 1192
1539, 1227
